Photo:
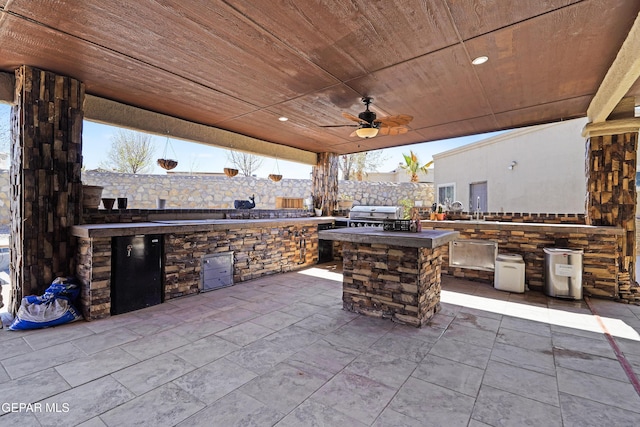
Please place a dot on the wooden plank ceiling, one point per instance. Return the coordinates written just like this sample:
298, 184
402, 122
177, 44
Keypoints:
238, 65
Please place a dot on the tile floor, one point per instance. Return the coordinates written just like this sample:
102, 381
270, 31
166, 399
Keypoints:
281, 351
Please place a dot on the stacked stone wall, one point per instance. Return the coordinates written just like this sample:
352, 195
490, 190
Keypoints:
219, 192
93, 270
257, 252
399, 283
599, 262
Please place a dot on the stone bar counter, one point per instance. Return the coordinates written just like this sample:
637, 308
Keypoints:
390, 274
601, 246
260, 247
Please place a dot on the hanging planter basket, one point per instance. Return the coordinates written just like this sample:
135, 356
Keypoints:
275, 176
167, 164
230, 172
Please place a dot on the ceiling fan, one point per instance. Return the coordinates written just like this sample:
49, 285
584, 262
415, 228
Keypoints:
370, 126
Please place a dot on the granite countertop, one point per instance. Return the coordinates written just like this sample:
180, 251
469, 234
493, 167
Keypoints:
502, 225
186, 226
424, 239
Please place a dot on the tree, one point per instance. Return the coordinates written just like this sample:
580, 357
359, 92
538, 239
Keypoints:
412, 165
246, 163
130, 152
358, 164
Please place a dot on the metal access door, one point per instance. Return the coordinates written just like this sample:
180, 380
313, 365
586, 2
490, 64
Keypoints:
478, 197
136, 272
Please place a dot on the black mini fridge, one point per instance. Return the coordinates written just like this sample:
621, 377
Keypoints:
136, 272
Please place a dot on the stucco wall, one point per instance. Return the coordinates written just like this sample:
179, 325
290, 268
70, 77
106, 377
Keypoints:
549, 175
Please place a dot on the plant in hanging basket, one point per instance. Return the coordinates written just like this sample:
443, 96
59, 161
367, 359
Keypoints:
274, 177
167, 164
230, 172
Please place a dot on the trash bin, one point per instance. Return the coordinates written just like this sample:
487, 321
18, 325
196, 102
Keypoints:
563, 273
509, 273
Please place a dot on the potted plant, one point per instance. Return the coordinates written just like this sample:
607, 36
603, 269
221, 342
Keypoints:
407, 205
440, 215
91, 196
318, 205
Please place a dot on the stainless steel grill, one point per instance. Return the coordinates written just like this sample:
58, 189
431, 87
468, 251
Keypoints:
362, 216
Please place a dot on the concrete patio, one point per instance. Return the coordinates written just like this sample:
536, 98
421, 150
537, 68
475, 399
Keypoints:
281, 351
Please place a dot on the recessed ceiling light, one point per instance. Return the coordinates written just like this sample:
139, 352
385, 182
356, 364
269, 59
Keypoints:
283, 119
480, 60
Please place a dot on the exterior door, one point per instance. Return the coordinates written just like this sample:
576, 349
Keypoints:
478, 197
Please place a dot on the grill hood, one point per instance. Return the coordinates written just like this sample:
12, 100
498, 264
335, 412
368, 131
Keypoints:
379, 213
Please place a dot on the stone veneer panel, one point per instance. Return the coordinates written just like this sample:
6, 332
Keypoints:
599, 260
46, 190
394, 282
94, 273
258, 251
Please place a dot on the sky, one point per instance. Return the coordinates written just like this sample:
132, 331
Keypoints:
195, 157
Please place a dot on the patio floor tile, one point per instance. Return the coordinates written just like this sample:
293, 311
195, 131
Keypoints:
455, 376
205, 350
152, 373
580, 412
235, 409
97, 365
285, 386
498, 407
355, 396
311, 413
281, 351
609, 392
432, 404
163, 406
523, 382
215, 380
84, 402
539, 361
387, 369
460, 351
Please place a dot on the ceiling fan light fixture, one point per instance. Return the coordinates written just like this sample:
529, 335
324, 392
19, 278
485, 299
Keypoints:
367, 132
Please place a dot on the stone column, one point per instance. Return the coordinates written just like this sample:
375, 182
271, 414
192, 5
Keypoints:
325, 182
611, 153
46, 186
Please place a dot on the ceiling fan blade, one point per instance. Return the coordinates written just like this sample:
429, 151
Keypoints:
392, 131
393, 121
398, 130
338, 126
351, 117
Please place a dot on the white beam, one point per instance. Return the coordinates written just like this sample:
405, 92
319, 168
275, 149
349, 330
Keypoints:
114, 113
622, 74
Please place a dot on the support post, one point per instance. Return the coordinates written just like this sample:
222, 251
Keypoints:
611, 155
325, 182
46, 186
